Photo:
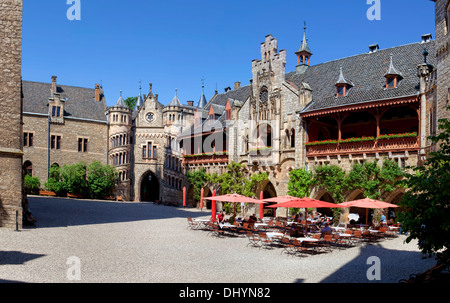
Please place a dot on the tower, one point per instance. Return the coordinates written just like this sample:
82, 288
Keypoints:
303, 55
119, 119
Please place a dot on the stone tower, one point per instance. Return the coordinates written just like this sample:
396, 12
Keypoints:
119, 119
11, 183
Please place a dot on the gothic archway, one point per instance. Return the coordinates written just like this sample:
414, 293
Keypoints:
150, 188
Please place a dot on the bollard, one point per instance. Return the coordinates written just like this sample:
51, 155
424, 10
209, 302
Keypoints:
17, 220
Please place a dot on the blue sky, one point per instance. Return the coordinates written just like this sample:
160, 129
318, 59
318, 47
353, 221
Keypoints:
175, 44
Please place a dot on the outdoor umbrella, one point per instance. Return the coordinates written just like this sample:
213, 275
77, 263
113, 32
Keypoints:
306, 203
184, 196
234, 198
280, 199
368, 203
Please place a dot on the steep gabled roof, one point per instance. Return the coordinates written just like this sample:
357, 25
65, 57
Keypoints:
366, 72
80, 102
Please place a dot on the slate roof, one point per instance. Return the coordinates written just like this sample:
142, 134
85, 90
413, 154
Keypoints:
366, 73
80, 101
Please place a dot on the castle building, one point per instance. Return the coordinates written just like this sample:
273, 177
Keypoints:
11, 182
62, 125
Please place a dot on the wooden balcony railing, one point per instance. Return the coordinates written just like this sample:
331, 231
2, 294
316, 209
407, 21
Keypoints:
205, 159
367, 147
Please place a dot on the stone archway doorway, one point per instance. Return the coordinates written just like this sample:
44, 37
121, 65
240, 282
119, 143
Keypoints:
150, 188
269, 192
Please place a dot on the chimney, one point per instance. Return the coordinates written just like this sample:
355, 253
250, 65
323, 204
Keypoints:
190, 103
237, 85
373, 48
97, 92
54, 90
426, 38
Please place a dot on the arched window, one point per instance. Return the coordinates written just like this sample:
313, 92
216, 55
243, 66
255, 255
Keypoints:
292, 138
28, 167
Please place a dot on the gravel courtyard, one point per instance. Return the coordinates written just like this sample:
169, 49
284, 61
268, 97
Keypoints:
143, 242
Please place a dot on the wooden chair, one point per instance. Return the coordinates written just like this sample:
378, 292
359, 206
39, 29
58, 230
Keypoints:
300, 248
192, 224
253, 239
287, 246
216, 230
266, 242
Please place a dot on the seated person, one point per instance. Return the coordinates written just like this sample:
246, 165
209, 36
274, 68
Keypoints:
326, 229
252, 219
221, 217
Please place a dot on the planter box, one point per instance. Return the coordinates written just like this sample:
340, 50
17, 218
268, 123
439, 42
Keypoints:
47, 193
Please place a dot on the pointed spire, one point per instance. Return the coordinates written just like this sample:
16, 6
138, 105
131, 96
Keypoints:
392, 70
341, 79
175, 101
140, 100
202, 102
120, 102
304, 47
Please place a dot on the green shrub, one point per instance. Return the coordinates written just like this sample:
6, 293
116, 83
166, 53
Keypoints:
32, 185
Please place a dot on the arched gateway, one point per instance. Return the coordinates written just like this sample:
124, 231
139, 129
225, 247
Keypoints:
150, 187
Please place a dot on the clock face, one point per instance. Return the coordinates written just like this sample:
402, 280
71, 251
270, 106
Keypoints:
150, 117
264, 95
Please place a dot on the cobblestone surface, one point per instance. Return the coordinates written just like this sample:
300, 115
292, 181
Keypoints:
131, 242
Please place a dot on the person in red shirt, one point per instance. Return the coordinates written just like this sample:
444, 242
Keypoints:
221, 217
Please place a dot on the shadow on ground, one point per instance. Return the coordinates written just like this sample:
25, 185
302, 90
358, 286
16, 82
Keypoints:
16, 257
377, 264
64, 212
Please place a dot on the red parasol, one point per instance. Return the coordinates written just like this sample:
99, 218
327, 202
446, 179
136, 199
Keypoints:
368, 203
213, 207
184, 196
306, 203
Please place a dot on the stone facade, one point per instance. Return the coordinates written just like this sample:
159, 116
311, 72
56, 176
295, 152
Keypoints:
442, 14
11, 184
77, 134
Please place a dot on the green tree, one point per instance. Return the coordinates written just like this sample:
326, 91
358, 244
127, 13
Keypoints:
74, 179
426, 204
31, 185
101, 179
374, 180
333, 179
197, 179
130, 102
54, 183
300, 183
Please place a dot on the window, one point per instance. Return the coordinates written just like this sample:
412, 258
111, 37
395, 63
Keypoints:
82, 145
149, 151
56, 111
391, 82
340, 91
27, 139
55, 142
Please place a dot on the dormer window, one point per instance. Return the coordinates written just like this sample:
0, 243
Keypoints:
391, 82
393, 76
228, 110
340, 91
342, 85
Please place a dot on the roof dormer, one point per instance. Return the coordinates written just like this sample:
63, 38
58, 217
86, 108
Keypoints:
393, 76
342, 85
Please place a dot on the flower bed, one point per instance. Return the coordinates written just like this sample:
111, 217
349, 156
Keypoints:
206, 154
394, 136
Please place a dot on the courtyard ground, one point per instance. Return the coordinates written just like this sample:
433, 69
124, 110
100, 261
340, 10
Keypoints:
143, 242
